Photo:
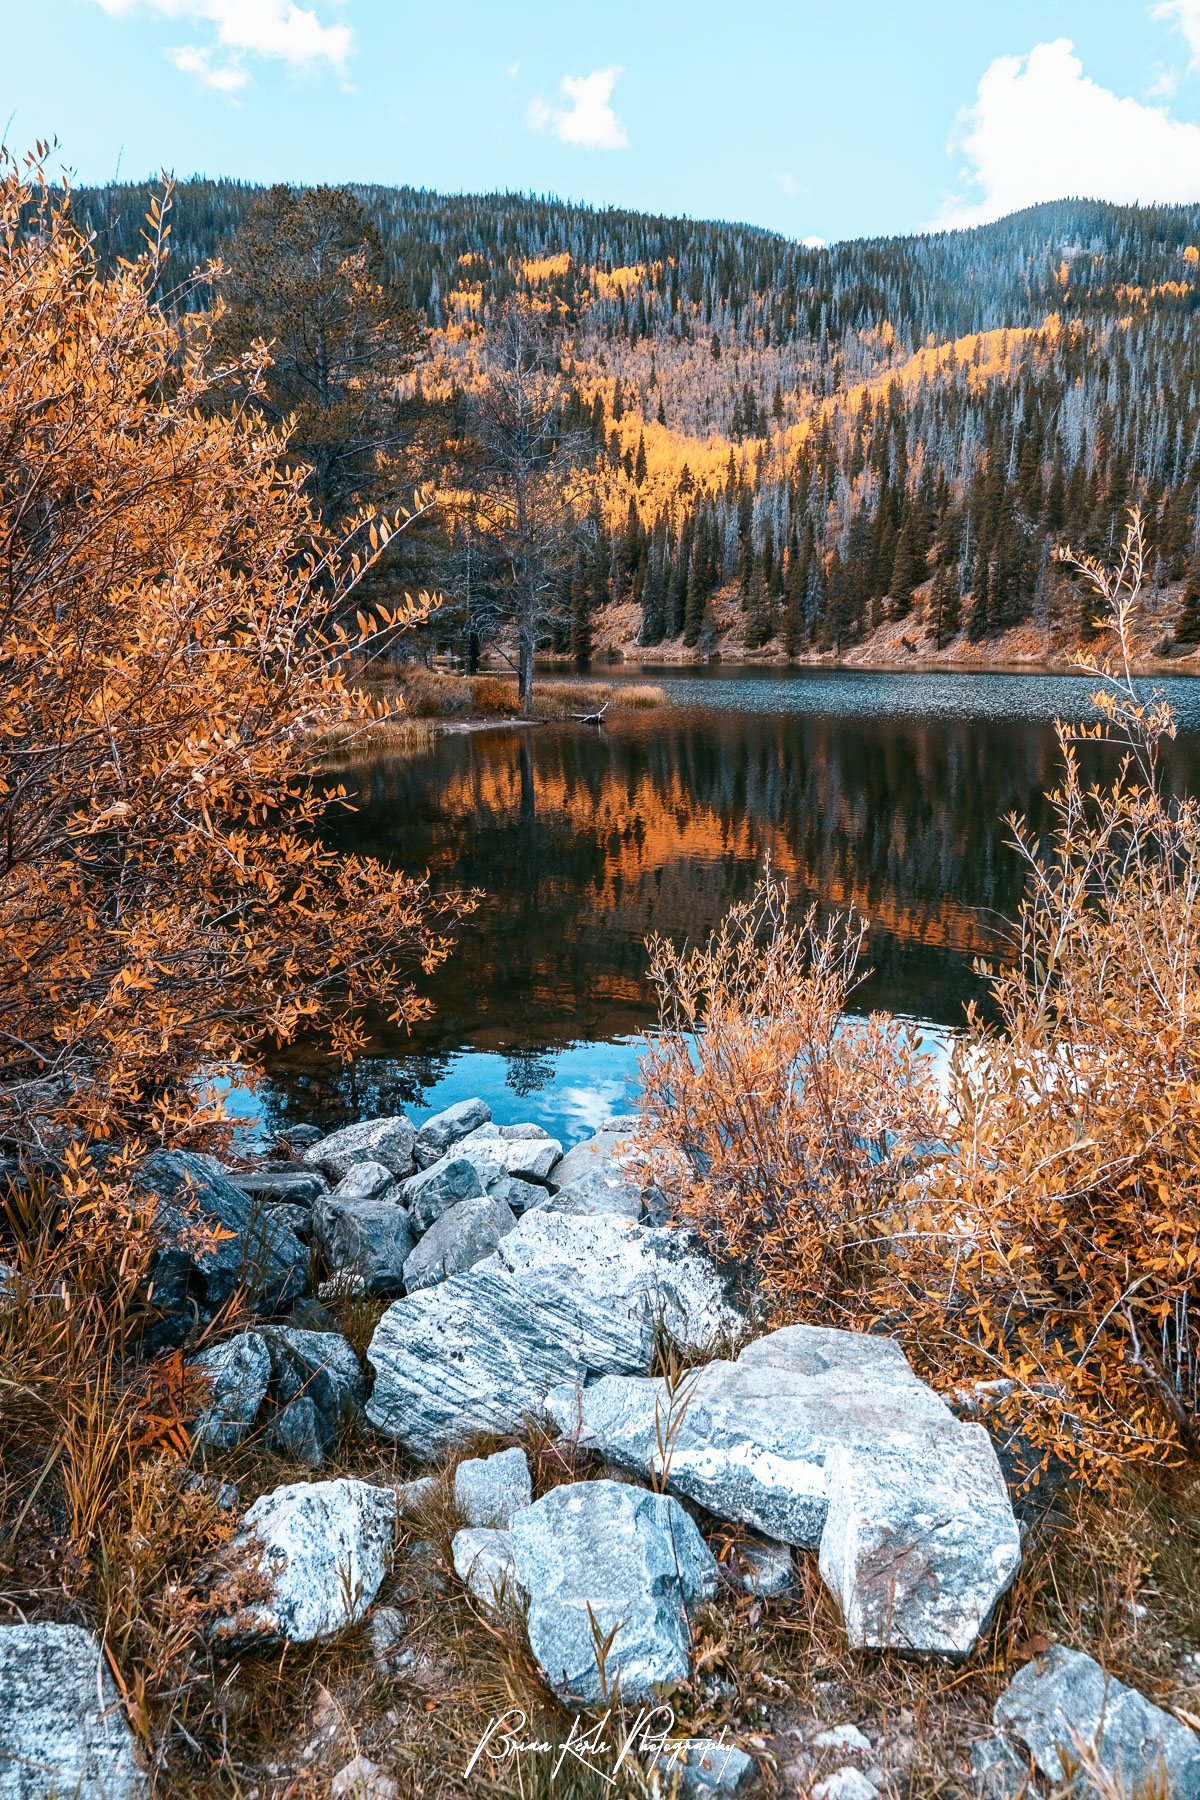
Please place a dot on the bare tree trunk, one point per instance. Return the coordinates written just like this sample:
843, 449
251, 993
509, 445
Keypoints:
525, 670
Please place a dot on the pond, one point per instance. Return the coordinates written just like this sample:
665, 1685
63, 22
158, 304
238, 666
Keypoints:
883, 792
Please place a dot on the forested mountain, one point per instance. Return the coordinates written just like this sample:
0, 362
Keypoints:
779, 446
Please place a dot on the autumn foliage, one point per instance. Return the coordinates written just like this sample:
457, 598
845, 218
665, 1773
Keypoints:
1032, 1231
1056, 1248
171, 645
781, 1124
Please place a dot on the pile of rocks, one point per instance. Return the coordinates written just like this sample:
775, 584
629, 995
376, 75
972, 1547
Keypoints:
525, 1285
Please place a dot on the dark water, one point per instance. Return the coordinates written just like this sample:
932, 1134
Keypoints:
885, 792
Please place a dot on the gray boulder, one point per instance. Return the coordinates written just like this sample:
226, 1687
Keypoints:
313, 1555
235, 1375
599, 1558
63, 1730
297, 1219
295, 1187
513, 1133
318, 1366
488, 1490
1064, 1704
827, 1438
463, 1236
370, 1241
609, 1151
558, 1297
195, 1279
706, 1766
483, 1562
364, 1181
597, 1191
498, 1158
446, 1128
750, 1439
920, 1541
437, 1189
519, 1196
389, 1141
296, 1432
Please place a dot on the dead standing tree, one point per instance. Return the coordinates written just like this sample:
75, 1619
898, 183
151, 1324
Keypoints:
524, 506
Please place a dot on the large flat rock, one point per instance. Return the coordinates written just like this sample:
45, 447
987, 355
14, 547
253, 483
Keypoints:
559, 1299
750, 1439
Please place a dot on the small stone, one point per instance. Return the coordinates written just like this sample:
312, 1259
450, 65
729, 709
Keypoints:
597, 1191
437, 1189
388, 1141
920, 1541
842, 1737
411, 1496
766, 1568
322, 1366
707, 1766
297, 1219
236, 1373
483, 1562
446, 1128
463, 1236
488, 1490
363, 1779
847, 1783
296, 1432
196, 1273
365, 1181
63, 1730
513, 1134
997, 1771
386, 1631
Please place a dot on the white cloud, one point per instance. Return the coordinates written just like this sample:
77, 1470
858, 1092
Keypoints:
1184, 15
514, 69
1040, 129
190, 59
813, 243
278, 29
589, 122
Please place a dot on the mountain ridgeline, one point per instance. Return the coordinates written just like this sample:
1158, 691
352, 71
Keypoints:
778, 448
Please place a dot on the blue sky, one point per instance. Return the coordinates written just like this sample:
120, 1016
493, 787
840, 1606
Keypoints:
828, 120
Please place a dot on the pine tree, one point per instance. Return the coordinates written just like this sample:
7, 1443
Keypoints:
639, 461
581, 615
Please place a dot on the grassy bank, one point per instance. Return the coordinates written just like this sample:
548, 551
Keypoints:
431, 694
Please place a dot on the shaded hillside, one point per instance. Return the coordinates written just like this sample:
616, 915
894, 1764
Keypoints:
828, 440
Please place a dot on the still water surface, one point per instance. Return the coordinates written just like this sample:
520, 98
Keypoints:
885, 792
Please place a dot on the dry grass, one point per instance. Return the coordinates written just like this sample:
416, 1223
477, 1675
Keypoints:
433, 694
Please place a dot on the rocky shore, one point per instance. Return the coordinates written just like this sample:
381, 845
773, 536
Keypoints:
702, 1459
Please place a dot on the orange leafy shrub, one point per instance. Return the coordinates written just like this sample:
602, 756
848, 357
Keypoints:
1056, 1247
781, 1125
171, 649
